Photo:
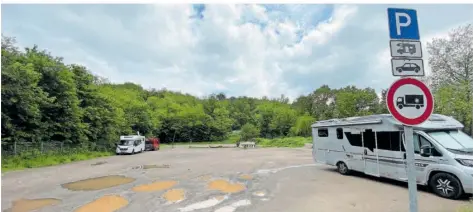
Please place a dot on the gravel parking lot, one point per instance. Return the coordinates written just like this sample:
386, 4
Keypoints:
207, 179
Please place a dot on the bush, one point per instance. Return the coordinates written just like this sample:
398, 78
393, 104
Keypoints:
283, 142
249, 131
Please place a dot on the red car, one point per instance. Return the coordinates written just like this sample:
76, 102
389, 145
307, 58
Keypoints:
152, 144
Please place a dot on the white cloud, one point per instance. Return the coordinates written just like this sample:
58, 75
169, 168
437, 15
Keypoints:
249, 50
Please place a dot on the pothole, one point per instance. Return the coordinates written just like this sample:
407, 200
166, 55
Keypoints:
234, 206
246, 177
98, 163
156, 186
98, 183
107, 203
154, 166
225, 186
174, 195
26, 205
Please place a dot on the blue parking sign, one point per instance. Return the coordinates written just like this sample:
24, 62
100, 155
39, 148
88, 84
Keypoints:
403, 24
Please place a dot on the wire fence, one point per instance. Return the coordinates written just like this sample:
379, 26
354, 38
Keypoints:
44, 148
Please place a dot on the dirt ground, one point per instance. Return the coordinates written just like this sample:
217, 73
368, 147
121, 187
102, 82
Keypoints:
207, 179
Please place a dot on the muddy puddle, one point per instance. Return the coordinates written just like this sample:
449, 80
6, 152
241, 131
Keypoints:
174, 195
156, 186
27, 205
98, 183
107, 203
226, 186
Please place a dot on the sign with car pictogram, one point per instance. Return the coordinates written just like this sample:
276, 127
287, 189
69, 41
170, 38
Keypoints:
410, 101
407, 67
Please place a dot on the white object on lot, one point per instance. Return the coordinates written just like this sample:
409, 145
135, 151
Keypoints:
130, 144
247, 144
375, 145
234, 206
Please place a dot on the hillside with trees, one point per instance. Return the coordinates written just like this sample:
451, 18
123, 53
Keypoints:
46, 100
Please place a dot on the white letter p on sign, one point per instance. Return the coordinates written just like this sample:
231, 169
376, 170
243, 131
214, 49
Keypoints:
398, 21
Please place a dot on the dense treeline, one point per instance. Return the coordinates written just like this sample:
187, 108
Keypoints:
44, 99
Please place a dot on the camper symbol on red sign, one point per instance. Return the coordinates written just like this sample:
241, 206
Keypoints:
410, 101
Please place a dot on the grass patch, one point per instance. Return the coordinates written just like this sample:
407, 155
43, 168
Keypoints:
283, 142
466, 208
25, 161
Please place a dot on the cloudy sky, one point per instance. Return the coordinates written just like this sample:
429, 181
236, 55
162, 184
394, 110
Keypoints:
253, 50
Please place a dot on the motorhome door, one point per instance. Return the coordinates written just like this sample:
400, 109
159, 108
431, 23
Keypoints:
370, 152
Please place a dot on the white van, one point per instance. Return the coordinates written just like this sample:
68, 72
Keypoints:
375, 145
131, 144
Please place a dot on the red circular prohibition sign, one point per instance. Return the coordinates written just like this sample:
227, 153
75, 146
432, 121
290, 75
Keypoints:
428, 95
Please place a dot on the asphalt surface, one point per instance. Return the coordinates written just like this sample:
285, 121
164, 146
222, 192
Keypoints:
277, 179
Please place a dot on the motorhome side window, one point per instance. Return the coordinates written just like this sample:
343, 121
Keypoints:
389, 141
340, 133
386, 140
323, 132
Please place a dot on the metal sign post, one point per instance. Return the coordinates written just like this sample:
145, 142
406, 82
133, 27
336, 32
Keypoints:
411, 171
406, 60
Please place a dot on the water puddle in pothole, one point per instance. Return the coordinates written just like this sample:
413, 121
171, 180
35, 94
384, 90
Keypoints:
156, 186
225, 186
27, 205
107, 203
98, 183
245, 177
174, 195
203, 204
234, 206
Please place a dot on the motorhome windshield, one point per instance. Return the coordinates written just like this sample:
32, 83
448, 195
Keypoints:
455, 139
126, 142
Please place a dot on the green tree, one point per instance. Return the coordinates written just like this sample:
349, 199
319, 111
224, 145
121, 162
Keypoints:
303, 126
451, 61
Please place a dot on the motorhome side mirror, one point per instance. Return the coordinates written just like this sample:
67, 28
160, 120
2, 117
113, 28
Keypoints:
426, 151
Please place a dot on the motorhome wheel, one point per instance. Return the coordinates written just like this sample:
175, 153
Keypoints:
342, 168
446, 185
400, 106
417, 107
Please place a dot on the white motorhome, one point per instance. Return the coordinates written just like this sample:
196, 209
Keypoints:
375, 145
131, 144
